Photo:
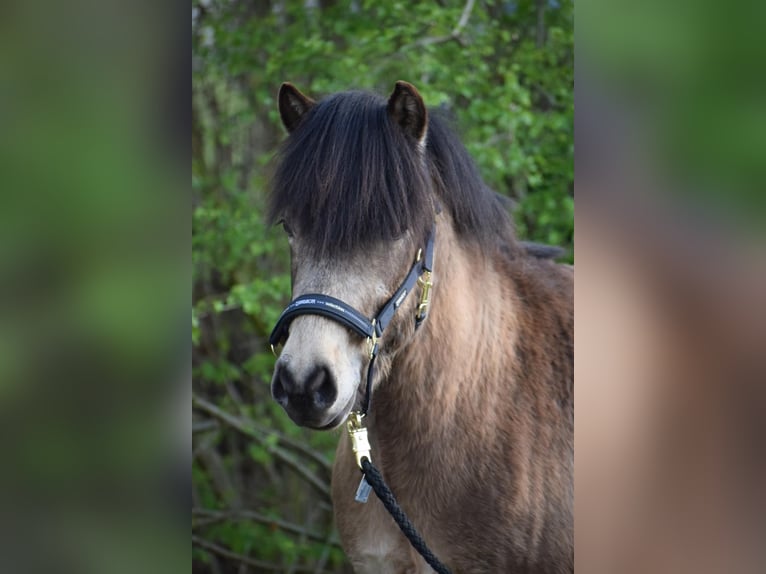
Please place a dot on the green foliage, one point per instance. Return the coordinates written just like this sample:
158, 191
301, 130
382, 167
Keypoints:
508, 84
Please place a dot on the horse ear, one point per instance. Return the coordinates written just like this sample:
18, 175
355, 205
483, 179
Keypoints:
406, 108
293, 105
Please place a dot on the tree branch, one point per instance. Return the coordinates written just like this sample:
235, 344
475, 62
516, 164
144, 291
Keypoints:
455, 34
540, 35
204, 426
247, 428
226, 553
464, 17
218, 515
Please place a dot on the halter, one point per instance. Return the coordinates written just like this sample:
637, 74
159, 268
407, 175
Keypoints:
346, 315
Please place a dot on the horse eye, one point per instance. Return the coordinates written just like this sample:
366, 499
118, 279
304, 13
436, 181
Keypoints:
287, 228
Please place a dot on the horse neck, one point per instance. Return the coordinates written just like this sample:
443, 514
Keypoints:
444, 377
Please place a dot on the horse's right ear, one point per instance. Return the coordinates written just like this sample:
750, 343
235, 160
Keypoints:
293, 105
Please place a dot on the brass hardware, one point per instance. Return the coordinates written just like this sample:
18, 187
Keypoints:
360, 444
273, 351
425, 296
417, 257
372, 341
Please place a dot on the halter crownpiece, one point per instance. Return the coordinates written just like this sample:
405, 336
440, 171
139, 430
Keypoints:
346, 315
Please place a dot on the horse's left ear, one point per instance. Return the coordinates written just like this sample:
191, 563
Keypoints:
407, 109
293, 105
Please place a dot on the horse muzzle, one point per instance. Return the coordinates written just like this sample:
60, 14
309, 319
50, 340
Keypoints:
308, 398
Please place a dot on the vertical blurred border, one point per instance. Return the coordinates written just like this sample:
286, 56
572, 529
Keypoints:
670, 131
94, 286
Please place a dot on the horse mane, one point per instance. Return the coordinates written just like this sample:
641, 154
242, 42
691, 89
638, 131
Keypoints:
349, 176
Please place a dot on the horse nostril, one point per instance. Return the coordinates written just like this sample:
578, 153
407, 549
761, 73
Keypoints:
320, 385
318, 391
283, 384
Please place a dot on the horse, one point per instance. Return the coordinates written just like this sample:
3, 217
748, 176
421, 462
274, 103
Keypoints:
471, 411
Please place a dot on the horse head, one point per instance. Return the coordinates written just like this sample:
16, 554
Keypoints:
353, 193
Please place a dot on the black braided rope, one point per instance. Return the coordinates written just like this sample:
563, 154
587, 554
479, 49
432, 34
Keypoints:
375, 479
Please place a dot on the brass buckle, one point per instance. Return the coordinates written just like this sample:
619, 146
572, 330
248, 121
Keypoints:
360, 443
372, 341
425, 296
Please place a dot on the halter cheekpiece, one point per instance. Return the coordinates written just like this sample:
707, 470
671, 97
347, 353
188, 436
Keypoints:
346, 315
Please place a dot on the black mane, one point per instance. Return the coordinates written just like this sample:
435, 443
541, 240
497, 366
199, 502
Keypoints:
348, 176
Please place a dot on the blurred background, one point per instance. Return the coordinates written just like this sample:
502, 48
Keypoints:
503, 70
94, 287
95, 277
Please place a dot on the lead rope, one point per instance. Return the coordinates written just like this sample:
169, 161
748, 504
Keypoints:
375, 479
372, 477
